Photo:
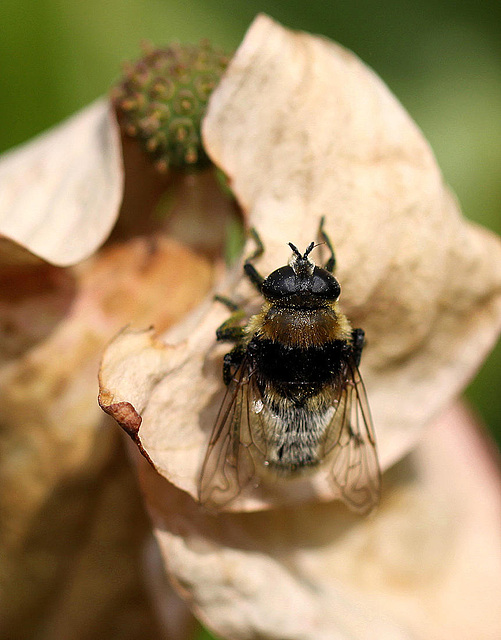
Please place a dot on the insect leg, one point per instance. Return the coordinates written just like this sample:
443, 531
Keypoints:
232, 359
330, 265
259, 250
358, 341
232, 306
250, 271
231, 330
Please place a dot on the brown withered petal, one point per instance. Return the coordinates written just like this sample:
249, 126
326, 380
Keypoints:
60, 193
303, 129
72, 521
425, 566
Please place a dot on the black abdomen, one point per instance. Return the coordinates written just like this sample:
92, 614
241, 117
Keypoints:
296, 372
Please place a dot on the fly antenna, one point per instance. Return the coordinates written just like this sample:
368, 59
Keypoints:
301, 264
309, 249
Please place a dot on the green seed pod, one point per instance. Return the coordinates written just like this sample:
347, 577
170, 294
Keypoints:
162, 99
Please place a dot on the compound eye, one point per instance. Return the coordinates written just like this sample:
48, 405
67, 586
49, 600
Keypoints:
280, 283
325, 285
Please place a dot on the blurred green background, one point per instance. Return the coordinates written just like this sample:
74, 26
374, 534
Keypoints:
441, 58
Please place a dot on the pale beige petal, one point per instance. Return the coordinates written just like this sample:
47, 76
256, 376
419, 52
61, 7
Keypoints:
60, 193
72, 522
139, 387
425, 566
303, 129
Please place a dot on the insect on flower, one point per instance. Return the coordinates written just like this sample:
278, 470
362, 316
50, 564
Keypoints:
295, 399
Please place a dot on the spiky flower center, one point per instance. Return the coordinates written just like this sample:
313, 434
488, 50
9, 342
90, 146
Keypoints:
162, 99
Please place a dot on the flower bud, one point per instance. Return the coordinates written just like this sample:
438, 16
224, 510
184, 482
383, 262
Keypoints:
162, 99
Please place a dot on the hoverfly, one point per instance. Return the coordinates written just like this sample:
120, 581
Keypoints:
295, 399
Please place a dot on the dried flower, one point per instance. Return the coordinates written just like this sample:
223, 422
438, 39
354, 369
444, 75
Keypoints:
163, 98
69, 501
303, 129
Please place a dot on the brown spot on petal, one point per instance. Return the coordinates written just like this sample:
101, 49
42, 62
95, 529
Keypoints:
128, 418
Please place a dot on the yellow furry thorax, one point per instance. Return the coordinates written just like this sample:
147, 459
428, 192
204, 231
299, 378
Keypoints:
299, 327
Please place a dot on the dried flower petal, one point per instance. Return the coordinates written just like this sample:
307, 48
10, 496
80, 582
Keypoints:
60, 194
318, 572
62, 472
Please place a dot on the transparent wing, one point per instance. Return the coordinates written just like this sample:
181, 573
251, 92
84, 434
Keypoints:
351, 447
229, 465
237, 443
